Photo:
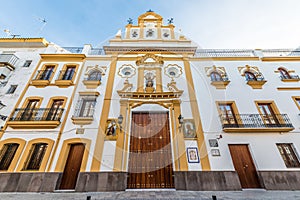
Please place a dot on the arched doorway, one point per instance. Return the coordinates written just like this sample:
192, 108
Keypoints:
150, 153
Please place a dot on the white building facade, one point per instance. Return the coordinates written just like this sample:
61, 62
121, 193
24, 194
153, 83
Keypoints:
152, 110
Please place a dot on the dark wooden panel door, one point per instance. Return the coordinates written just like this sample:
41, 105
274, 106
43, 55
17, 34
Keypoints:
72, 167
150, 158
244, 165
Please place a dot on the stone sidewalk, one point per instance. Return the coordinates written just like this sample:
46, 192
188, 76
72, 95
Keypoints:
173, 195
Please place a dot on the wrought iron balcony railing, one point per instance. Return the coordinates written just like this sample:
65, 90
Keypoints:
37, 114
9, 59
225, 53
291, 77
258, 77
84, 112
97, 51
74, 49
66, 75
256, 121
281, 52
43, 75
222, 79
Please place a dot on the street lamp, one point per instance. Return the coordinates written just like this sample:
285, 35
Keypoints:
180, 119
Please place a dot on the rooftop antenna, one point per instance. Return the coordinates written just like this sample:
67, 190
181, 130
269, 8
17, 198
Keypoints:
43, 21
8, 33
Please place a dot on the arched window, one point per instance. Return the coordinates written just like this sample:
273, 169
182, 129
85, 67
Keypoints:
250, 76
284, 74
94, 76
215, 76
7, 154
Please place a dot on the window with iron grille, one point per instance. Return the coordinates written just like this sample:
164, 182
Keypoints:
27, 63
12, 89
7, 154
288, 155
85, 106
35, 156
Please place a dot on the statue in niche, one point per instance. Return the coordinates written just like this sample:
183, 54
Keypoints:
149, 85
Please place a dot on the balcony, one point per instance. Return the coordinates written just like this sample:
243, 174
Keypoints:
65, 78
83, 116
9, 60
256, 123
290, 78
257, 82
92, 82
37, 118
220, 82
42, 78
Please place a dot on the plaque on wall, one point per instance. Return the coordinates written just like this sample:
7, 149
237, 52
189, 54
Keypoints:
192, 154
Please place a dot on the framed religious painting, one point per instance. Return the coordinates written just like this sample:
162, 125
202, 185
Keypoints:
189, 129
111, 130
192, 154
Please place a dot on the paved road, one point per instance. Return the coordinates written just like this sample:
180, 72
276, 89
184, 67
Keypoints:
172, 195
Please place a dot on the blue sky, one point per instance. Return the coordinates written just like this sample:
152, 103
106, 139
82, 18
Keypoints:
209, 23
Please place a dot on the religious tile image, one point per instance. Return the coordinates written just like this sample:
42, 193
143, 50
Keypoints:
111, 129
192, 154
189, 129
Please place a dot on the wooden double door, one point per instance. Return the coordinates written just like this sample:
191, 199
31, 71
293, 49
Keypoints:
244, 166
150, 158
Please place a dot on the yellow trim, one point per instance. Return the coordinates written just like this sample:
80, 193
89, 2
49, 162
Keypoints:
64, 120
121, 137
52, 99
40, 99
82, 120
26, 154
181, 157
220, 84
288, 88
44, 42
91, 84
295, 100
89, 93
33, 124
271, 102
234, 109
256, 84
44, 83
63, 57
232, 103
64, 153
196, 115
21, 97
97, 156
274, 109
279, 59
66, 83
16, 158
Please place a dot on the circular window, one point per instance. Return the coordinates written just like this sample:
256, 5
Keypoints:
126, 71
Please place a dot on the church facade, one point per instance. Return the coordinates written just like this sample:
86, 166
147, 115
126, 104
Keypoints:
152, 110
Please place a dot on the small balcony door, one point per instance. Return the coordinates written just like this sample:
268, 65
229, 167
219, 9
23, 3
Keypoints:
267, 114
28, 113
55, 109
47, 73
68, 75
228, 115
